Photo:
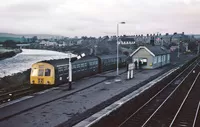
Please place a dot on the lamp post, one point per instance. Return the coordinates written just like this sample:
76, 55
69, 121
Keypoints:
118, 46
198, 47
178, 49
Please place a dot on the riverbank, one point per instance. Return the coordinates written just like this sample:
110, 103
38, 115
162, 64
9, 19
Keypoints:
23, 61
9, 83
6, 53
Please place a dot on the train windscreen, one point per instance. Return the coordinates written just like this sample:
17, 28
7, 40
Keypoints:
34, 72
47, 72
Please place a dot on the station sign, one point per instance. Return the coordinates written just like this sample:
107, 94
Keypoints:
131, 66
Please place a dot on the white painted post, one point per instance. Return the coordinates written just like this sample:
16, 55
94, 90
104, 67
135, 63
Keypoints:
70, 72
128, 75
131, 73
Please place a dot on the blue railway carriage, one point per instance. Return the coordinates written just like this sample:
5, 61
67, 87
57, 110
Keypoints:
122, 60
109, 62
55, 72
84, 67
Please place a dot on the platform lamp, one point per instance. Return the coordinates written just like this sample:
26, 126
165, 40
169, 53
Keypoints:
118, 46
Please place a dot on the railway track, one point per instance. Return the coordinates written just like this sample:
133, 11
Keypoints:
169, 106
9, 96
185, 115
23, 92
153, 113
174, 106
12, 95
41, 104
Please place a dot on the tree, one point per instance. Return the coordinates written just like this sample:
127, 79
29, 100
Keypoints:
192, 46
34, 39
84, 37
23, 39
9, 43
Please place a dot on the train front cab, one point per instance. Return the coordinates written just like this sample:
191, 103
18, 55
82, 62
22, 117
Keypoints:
42, 74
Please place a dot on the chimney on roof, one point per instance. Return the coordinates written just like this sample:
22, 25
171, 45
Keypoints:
152, 41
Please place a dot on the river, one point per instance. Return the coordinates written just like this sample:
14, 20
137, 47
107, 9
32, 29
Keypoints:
24, 60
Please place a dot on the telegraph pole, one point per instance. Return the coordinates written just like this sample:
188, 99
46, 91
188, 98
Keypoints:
178, 49
198, 49
70, 72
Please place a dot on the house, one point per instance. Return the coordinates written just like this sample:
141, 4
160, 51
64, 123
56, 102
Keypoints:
151, 56
126, 40
72, 42
48, 43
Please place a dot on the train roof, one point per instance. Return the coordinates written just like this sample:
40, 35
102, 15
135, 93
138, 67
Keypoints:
56, 62
86, 58
111, 56
66, 60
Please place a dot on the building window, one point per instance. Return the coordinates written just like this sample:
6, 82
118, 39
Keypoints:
168, 57
155, 60
144, 61
163, 58
159, 58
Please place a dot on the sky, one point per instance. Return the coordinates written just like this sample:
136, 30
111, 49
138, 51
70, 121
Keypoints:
99, 17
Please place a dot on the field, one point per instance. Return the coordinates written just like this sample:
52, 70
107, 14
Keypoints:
2, 39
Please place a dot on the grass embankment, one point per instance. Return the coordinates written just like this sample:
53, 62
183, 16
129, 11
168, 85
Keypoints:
9, 83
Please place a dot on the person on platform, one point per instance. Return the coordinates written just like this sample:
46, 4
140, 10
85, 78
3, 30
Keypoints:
136, 64
140, 64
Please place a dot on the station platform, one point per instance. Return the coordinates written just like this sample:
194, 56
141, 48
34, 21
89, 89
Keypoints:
58, 106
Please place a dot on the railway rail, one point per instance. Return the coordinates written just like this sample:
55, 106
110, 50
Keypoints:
175, 103
15, 94
46, 102
9, 96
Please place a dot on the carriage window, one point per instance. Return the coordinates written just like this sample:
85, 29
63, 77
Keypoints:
74, 66
41, 71
82, 65
47, 72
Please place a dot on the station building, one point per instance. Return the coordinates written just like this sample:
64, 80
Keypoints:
151, 56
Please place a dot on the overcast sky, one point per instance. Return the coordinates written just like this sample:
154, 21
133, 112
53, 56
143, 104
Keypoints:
99, 17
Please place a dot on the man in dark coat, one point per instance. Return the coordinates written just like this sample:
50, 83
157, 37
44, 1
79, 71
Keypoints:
140, 64
136, 64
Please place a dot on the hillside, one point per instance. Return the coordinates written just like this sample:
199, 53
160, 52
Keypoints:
29, 35
197, 36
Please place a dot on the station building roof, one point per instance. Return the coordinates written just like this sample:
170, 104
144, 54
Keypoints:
153, 50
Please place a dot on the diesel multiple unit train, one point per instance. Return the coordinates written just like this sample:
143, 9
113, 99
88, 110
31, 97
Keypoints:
55, 72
